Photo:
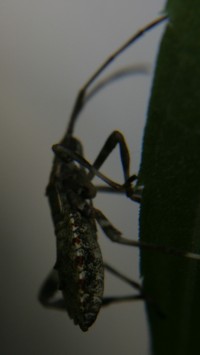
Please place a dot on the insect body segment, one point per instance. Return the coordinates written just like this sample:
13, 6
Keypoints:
79, 264
80, 269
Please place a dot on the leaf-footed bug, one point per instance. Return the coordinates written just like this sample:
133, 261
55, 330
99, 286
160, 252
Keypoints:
79, 268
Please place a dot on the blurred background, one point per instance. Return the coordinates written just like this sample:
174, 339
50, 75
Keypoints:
48, 50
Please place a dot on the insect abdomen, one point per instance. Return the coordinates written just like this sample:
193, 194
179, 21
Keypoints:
80, 268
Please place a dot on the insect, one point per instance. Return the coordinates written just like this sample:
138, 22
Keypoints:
79, 267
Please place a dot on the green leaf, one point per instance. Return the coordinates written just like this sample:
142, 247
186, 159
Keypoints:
170, 173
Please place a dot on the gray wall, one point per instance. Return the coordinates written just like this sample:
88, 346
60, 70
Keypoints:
48, 49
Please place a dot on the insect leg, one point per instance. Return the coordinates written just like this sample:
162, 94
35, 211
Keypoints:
124, 278
48, 291
115, 138
140, 296
110, 231
113, 299
136, 194
104, 188
116, 236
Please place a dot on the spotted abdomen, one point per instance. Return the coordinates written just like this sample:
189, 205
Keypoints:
80, 268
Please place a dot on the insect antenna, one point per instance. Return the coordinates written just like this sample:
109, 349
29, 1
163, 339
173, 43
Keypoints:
165, 249
114, 76
81, 97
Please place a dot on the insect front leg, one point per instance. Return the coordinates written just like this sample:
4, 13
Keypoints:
110, 231
115, 138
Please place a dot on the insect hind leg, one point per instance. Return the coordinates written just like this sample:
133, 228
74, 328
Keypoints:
137, 286
48, 290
